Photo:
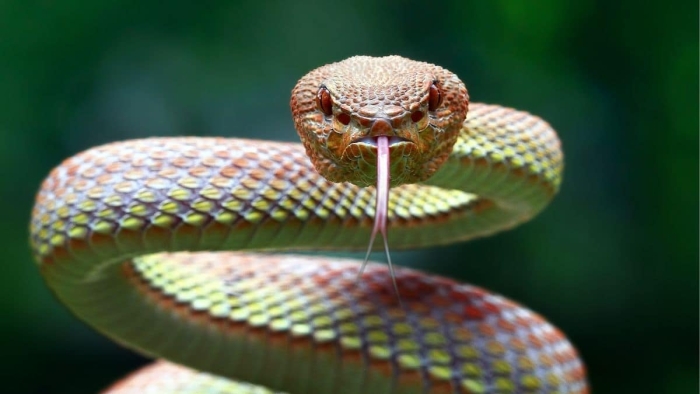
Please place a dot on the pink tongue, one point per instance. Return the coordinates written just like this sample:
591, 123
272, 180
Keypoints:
381, 203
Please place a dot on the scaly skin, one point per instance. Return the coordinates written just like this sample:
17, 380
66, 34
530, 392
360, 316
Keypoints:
369, 89
105, 222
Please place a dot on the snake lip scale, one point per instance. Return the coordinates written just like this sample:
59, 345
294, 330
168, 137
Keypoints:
161, 245
372, 141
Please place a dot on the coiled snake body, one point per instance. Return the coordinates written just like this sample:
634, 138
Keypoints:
120, 233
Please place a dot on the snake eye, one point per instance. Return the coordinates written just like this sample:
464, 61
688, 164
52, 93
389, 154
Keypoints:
323, 101
434, 97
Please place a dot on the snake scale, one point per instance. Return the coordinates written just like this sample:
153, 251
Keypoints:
169, 246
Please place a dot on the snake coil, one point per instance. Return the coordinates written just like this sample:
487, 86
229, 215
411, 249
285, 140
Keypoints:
133, 237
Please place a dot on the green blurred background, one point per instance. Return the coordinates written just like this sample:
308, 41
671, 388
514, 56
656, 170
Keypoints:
613, 261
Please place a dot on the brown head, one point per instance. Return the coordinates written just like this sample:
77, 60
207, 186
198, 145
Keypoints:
342, 108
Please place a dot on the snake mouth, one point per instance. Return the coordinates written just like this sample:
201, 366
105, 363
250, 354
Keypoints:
393, 140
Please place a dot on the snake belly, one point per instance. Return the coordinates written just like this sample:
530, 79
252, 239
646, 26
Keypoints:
151, 243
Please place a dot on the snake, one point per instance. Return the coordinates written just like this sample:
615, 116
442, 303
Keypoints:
201, 252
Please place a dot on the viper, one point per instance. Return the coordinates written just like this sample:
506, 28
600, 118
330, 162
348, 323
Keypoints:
171, 246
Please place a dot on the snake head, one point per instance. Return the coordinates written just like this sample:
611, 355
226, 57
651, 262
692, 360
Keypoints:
341, 109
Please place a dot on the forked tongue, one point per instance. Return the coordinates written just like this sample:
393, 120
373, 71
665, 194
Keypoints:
380, 206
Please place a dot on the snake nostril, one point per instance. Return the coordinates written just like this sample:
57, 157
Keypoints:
343, 118
417, 116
